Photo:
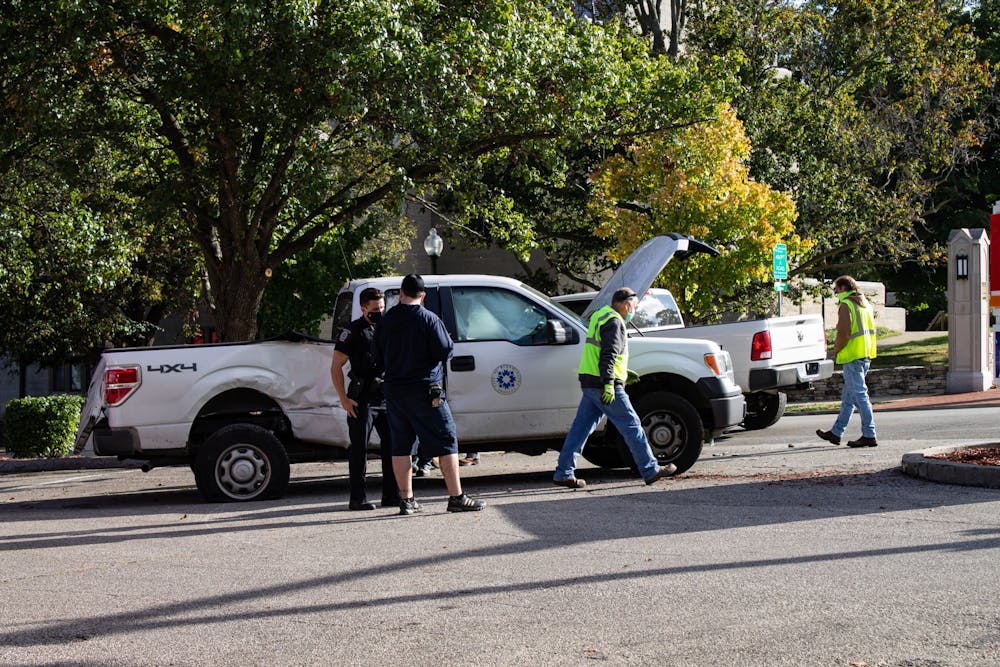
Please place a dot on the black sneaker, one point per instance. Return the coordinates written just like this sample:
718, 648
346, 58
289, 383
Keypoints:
863, 441
360, 506
828, 436
409, 506
464, 503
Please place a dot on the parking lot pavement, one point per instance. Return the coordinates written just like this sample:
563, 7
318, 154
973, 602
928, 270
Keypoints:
773, 550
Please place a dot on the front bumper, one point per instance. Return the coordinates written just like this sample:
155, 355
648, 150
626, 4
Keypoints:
726, 402
762, 379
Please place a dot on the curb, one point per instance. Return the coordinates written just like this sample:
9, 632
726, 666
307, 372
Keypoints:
11, 466
921, 464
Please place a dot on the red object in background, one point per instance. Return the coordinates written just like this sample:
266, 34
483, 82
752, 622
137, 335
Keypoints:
995, 256
760, 346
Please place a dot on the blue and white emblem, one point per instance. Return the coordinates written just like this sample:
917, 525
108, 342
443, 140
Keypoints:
506, 379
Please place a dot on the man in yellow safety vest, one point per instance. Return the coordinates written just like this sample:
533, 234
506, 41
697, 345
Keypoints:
854, 348
603, 373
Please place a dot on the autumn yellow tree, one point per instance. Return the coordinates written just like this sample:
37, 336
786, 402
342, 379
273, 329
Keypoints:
695, 181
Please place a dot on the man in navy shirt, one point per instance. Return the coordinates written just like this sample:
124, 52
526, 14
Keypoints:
412, 345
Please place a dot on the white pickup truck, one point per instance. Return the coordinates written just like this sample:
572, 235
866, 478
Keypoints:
239, 413
768, 355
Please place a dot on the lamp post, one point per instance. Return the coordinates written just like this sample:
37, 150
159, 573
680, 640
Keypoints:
433, 245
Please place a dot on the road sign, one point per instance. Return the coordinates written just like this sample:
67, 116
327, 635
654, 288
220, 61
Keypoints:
780, 286
780, 262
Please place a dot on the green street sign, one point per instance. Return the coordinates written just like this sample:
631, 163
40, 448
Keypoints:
780, 286
780, 262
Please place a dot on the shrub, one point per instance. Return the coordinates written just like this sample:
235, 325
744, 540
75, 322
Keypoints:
41, 425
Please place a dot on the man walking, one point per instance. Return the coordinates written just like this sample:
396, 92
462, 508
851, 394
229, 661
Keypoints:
854, 347
603, 373
413, 346
363, 400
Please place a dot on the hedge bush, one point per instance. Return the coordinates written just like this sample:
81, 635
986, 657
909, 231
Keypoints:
41, 426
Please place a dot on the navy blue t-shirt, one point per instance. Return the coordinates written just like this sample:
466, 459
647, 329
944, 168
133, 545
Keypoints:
411, 343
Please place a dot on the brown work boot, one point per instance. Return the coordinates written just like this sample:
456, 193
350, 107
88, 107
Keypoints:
664, 471
571, 483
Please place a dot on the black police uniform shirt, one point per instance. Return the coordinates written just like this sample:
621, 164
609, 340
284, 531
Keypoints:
357, 341
412, 343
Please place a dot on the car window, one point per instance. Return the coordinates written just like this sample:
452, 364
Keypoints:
342, 311
657, 309
486, 313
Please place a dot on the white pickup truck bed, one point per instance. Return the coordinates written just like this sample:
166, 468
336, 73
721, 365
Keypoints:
768, 355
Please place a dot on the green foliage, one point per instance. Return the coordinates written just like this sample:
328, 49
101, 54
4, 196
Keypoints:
877, 102
265, 126
694, 181
41, 426
302, 291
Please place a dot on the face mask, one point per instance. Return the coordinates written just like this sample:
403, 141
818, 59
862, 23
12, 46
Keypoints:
374, 316
629, 315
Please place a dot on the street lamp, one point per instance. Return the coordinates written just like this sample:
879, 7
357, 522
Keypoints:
433, 245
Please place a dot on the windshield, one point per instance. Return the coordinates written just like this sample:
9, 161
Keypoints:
563, 310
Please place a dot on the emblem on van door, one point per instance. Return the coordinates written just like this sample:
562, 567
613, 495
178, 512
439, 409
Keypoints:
506, 379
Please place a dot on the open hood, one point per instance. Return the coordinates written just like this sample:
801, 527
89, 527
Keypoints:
641, 268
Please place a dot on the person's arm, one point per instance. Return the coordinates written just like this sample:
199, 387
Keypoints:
443, 347
843, 328
337, 375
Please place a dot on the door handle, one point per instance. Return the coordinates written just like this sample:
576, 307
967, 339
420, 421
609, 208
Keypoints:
466, 363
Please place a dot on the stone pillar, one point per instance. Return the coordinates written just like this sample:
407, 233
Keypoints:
970, 366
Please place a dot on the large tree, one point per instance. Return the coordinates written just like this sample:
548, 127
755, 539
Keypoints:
265, 125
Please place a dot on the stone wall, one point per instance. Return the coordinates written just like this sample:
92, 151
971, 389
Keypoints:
883, 383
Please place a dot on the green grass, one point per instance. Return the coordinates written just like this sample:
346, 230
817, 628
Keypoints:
927, 352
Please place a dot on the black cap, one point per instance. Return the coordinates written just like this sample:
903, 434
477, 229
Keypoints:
413, 285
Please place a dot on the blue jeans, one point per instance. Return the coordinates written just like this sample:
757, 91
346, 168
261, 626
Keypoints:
855, 394
624, 418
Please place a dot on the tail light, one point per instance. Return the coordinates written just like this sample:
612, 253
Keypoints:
760, 348
119, 383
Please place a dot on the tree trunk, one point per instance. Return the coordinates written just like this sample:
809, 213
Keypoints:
237, 291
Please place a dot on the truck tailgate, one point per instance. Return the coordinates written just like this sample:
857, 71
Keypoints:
796, 339
91, 408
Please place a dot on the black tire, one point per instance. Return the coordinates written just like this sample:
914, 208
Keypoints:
604, 457
673, 428
764, 409
241, 462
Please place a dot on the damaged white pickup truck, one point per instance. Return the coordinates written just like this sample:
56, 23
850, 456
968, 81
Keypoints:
238, 414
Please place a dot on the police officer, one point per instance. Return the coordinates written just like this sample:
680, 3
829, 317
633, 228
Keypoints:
413, 346
603, 373
855, 348
362, 400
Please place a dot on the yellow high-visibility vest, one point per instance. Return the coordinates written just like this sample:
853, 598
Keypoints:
861, 343
592, 348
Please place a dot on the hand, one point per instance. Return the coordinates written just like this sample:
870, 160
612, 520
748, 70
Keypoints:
608, 395
349, 404
631, 377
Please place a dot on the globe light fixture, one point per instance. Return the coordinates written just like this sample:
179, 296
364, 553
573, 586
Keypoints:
433, 245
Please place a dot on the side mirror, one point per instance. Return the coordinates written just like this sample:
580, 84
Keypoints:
557, 333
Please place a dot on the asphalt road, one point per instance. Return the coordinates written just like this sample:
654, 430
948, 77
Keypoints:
776, 549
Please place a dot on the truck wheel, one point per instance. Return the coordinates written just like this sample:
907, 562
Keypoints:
764, 409
604, 457
241, 462
673, 428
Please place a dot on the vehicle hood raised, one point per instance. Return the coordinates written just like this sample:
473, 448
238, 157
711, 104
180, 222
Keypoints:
641, 268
